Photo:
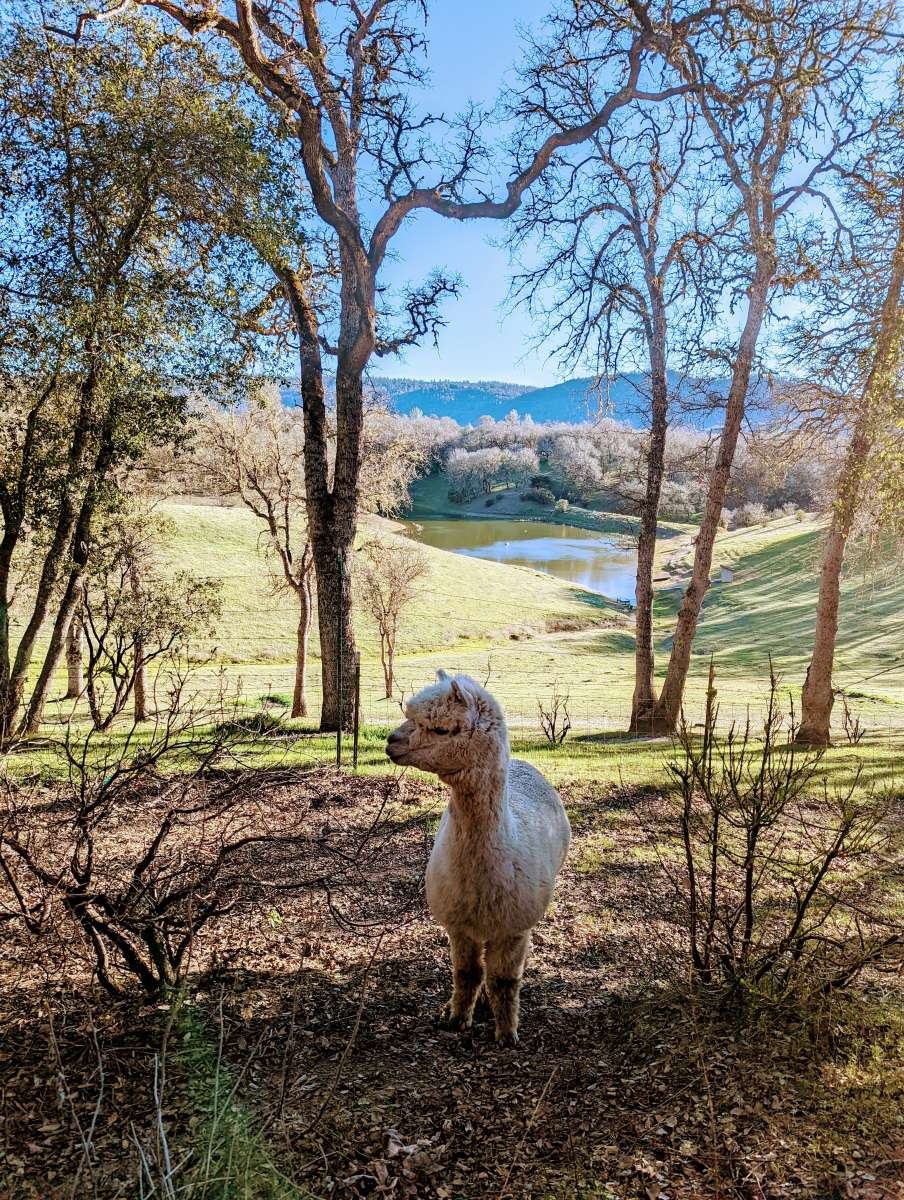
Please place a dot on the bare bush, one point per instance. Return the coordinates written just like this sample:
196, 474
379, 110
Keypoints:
555, 720
850, 722
785, 879
146, 842
389, 579
748, 515
135, 614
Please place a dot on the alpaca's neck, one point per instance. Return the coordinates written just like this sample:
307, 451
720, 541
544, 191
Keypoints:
478, 793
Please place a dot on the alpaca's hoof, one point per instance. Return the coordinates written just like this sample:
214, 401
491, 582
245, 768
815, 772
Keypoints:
508, 1039
454, 1023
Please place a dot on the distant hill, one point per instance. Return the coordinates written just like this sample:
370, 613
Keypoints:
582, 399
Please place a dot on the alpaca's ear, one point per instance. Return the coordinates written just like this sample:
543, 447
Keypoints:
462, 695
442, 675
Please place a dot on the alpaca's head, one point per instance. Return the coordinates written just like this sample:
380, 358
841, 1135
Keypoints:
452, 725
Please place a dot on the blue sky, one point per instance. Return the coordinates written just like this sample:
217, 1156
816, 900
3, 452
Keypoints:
473, 46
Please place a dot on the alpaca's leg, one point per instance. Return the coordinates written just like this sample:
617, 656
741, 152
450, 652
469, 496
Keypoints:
467, 978
505, 967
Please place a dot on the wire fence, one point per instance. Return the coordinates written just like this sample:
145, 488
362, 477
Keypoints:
522, 682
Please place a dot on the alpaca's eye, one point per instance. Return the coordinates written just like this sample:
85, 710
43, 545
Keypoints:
437, 729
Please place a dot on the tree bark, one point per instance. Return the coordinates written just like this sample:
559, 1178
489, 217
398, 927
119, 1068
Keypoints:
332, 559
81, 541
74, 674
668, 707
643, 706
34, 714
387, 658
13, 678
332, 513
817, 697
305, 615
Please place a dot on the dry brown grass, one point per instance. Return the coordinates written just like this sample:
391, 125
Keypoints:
319, 1004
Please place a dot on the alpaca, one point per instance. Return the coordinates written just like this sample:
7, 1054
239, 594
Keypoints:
500, 843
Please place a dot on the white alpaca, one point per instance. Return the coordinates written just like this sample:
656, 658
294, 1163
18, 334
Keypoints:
499, 846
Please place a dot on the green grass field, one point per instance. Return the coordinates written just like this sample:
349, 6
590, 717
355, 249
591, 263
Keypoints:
526, 632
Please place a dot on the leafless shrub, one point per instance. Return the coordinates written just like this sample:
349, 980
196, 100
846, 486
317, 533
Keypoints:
148, 839
850, 722
389, 578
555, 720
785, 880
127, 869
135, 614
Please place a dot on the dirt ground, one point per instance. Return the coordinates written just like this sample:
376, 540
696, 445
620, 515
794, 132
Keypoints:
316, 1011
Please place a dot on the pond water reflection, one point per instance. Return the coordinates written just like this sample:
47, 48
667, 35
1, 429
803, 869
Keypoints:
579, 556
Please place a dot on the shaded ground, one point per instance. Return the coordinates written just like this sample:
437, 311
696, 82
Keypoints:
312, 1040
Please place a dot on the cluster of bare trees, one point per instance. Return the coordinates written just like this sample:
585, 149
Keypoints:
341, 85
676, 168
133, 615
767, 107
476, 472
604, 464
257, 455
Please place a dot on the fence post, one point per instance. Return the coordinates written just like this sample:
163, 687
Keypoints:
357, 723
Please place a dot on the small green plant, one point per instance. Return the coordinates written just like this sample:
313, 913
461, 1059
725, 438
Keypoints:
256, 724
229, 1157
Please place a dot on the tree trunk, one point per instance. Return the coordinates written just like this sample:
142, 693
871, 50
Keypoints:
12, 683
34, 714
387, 651
332, 547
140, 696
305, 615
644, 703
668, 708
12, 509
140, 683
818, 696
332, 513
81, 540
390, 669
74, 675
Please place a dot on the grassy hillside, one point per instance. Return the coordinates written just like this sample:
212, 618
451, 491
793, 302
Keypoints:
769, 607
527, 632
468, 610
464, 599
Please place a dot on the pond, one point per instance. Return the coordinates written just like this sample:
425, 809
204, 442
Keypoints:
578, 556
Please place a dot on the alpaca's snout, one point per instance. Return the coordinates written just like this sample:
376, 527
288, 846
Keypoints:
397, 742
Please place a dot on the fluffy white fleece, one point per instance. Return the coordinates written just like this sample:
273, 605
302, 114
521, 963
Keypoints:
504, 836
